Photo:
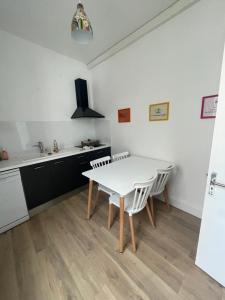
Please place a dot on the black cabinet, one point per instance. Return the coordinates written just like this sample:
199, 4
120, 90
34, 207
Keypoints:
61, 176
45, 181
37, 184
83, 163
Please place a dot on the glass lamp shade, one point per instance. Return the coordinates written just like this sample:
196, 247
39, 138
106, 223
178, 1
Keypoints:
81, 29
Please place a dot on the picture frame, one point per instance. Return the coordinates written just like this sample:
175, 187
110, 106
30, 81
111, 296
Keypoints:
159, 111
209, 107
124, 115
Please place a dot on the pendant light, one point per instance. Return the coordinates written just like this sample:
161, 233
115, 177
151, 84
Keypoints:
81, 29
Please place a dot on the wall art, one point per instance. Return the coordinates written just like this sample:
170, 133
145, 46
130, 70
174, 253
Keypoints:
159, 111
209, 107
124, 115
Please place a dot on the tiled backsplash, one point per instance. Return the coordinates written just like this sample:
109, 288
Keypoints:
19, 137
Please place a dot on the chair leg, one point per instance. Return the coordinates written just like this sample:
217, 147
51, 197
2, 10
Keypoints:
121, 238
97, 197
89, 211
150, 215
152, 208
110, 216
166, 197
132, 233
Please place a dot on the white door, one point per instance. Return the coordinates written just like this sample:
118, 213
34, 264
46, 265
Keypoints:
211, 246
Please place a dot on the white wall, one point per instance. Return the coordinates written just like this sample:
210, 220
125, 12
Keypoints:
20, 137
179, 62
37, 85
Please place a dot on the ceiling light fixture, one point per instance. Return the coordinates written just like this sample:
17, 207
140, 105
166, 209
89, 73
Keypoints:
81, 29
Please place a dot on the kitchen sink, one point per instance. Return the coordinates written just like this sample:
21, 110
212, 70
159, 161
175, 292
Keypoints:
43, 156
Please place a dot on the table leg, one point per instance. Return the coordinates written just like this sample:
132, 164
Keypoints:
121, 241
166, 196
90, 199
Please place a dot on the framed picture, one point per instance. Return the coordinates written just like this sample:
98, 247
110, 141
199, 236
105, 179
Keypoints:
124, 115
209, 107
159, 111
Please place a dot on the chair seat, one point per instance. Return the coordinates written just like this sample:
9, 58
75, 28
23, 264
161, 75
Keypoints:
105, 189
155, 193
128, 202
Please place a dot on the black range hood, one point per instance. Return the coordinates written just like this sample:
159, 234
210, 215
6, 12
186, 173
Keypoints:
83, 110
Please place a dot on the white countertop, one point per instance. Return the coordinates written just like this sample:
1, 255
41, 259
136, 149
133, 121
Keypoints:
36, 158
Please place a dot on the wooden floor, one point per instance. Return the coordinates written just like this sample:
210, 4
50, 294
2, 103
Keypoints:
58, 254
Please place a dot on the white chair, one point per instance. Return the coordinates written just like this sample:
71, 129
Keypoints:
99, 163
120, 156
133, 203
160, 187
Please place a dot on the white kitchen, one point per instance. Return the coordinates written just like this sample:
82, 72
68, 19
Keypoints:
111, 149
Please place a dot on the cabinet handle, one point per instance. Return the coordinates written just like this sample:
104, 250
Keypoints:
83, 162
101, 151
37, 168
59, 162
81, 156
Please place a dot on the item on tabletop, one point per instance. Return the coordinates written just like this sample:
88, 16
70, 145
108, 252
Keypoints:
55, 146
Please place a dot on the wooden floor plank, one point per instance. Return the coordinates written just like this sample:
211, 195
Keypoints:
59, 255
8, 281
31, 283
198, 285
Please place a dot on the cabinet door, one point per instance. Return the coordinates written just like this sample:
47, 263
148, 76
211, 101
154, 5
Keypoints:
37, 183
83, 161
73, 172
65, 175
100, 153
60, 177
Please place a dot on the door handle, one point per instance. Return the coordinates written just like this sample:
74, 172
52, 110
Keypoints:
214, 183
101, 151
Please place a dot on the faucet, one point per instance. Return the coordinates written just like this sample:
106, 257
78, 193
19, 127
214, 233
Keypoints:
55, 146
40, 145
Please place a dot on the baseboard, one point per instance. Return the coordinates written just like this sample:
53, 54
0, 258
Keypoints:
187, 208
50, 203
13, 224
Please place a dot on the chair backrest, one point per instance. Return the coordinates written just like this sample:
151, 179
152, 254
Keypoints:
141, 194
100, 162
161, 180
120, 156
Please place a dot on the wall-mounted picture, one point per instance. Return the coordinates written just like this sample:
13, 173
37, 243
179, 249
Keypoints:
209, 107
124, 115
159, 111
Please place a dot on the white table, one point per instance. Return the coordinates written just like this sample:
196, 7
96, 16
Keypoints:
120, 177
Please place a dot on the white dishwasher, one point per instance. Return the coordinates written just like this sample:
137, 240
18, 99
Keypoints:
13, 208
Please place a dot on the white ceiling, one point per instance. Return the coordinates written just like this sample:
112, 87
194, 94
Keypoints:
47, 22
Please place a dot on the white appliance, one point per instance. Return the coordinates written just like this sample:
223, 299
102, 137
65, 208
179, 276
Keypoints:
13, 208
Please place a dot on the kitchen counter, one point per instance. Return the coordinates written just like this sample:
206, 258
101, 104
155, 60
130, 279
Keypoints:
32, 159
